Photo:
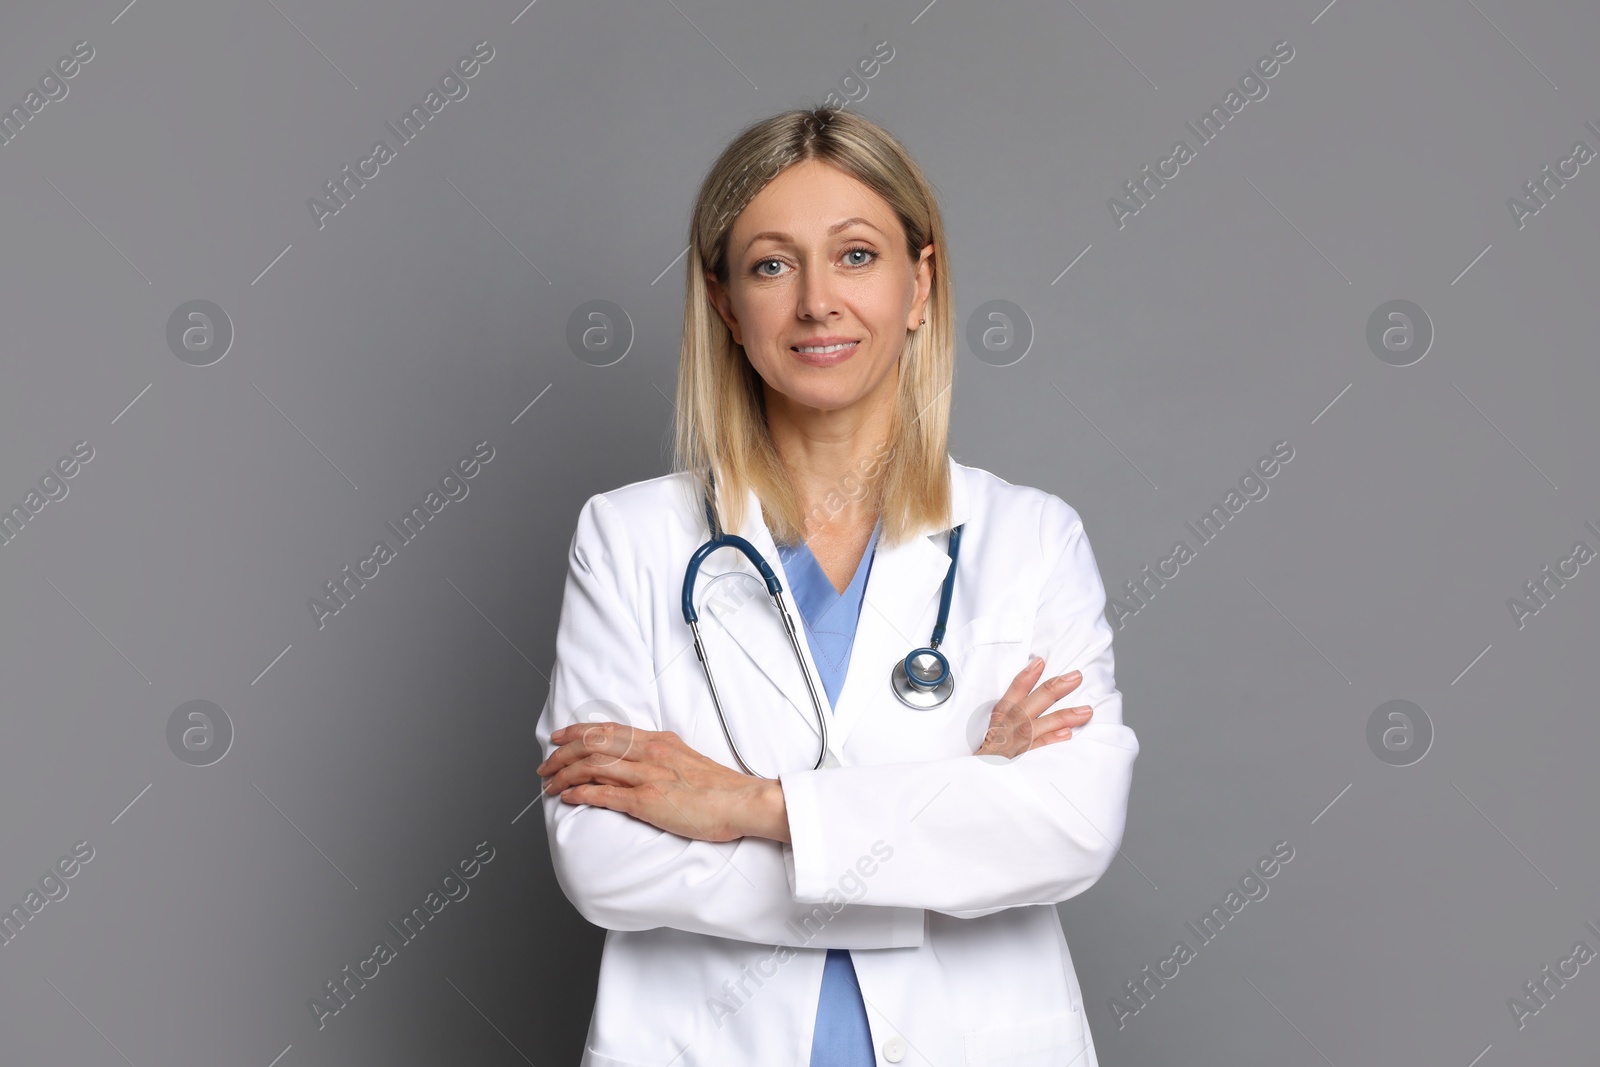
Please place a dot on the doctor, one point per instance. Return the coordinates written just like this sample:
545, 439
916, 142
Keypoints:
881, 889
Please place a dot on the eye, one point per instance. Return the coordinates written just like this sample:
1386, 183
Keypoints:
870, 254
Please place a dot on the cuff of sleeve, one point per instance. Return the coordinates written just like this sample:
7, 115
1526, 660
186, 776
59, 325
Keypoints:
805, 861
908, 927
805, 854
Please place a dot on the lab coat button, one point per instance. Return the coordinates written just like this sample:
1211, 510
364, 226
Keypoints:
894, 1050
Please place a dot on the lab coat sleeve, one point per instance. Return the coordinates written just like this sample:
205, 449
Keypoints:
970, 836
622, 873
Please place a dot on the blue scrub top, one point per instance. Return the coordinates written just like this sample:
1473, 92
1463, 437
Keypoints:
843, 1037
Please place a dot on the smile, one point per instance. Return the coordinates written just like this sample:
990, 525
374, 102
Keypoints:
825, 355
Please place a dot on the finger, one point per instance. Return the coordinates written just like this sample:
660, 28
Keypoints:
615, 741
582, 739
1013, 738
559, 758
1026, 734
1070, 681
1010, 712
583, 772
1050, 690
1052, 738
616, 798
604, 770
1059, 725
568, 753
1009, 738
1011, 730
1023, 683
1061, 718
580, 731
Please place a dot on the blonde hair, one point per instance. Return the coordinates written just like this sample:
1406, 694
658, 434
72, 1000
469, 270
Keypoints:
721, 414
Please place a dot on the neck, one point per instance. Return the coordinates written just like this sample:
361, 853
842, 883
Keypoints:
834, 458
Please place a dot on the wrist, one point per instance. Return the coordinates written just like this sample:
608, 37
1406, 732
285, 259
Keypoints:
767, 814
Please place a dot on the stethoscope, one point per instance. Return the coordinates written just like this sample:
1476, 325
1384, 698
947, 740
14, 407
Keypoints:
922, 680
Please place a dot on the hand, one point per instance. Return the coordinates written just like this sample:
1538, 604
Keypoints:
654, 776
1016, 724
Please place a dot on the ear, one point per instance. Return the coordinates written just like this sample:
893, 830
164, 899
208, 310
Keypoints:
924, 287
723, 304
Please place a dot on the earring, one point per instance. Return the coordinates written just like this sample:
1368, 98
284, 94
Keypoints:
921, 321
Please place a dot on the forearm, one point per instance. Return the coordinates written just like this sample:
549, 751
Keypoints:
967, 836
623, 874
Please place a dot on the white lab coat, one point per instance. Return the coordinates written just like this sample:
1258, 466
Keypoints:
938, 869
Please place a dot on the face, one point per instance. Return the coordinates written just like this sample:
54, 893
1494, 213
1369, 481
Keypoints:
818, 259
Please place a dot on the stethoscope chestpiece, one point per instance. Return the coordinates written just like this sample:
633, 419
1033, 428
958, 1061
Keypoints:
922, 680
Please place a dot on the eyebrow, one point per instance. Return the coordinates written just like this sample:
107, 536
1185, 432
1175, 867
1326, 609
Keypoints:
773, 235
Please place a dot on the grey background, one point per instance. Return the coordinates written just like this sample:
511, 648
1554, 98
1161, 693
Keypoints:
1229, 314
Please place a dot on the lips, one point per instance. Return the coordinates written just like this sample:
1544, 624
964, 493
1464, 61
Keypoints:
835, 350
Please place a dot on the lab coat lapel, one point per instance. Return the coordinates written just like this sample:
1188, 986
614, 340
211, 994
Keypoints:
898, 611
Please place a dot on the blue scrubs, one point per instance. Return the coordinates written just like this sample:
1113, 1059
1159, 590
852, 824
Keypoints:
842, 1038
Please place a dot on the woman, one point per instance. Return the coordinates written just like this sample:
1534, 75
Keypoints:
889, 896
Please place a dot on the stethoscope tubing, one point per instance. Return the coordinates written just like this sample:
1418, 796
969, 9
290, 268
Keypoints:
774, 590
902, 671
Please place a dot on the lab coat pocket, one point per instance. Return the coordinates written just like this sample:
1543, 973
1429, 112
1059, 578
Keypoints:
1046, 1041
591, 1058
994, 628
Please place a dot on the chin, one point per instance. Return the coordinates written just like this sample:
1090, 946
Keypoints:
822, 401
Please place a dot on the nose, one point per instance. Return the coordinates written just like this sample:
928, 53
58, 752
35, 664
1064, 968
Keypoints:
817, 298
